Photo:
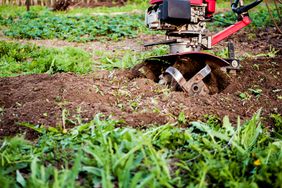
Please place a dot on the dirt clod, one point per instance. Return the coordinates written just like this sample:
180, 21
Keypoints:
41, 99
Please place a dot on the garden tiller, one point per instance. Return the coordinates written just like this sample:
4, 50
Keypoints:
187, 67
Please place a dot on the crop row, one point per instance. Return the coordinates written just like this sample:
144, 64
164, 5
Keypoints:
32, 25
47, 25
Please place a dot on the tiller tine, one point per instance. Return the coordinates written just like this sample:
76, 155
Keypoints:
194, 86
196, 73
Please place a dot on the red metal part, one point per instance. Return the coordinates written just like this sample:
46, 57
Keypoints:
155, 1
210, 7
196, 2
230, 30
193, 2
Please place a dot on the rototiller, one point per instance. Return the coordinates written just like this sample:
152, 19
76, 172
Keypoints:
187, 67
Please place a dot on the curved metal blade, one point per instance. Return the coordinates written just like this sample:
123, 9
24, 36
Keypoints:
188, 64
193, 86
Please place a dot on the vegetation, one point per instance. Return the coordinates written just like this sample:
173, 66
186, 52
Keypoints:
260, 18
103, 153
44, 24
19, 59
100, 154
32, 25
11, 10
16, 59
125, 59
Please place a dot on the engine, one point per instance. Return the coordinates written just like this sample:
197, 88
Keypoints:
172, 15
184, 21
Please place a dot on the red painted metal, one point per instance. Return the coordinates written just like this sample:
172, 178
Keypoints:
230, 30
210, 6
196, 2
155, 1
193, 2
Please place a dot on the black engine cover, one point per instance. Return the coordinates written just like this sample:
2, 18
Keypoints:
175, 12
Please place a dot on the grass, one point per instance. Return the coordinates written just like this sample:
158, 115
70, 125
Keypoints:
17, 59
98, 153
21, 59
12, 10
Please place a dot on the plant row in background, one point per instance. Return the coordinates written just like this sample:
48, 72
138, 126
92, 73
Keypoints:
32, 25
99, 154
43, 24
260, 18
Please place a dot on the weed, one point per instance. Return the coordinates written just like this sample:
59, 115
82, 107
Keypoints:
181, 118
212, 120
256, 92
166, 156
244, 96
16, 59
125, 59
277, 120
271, 53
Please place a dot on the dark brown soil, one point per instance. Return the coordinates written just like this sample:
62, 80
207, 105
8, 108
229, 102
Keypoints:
41, 99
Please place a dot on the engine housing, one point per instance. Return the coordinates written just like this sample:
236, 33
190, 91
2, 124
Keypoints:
179, 14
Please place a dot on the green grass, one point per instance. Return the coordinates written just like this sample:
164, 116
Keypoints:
12, 10
21, 59
17, 59
259, 15
99, 153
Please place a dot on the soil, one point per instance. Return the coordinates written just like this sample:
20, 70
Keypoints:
43, 99
40, 99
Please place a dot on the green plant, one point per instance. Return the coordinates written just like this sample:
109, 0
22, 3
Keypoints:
256, 92
260, 18
125, 59
181, 118
244, 96
277, 119
271, 53
32, 25
16, 59
101, 153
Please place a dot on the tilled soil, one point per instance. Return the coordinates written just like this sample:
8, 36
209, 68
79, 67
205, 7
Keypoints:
44, 99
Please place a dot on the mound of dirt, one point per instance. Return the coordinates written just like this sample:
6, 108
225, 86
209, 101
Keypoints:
44, 99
